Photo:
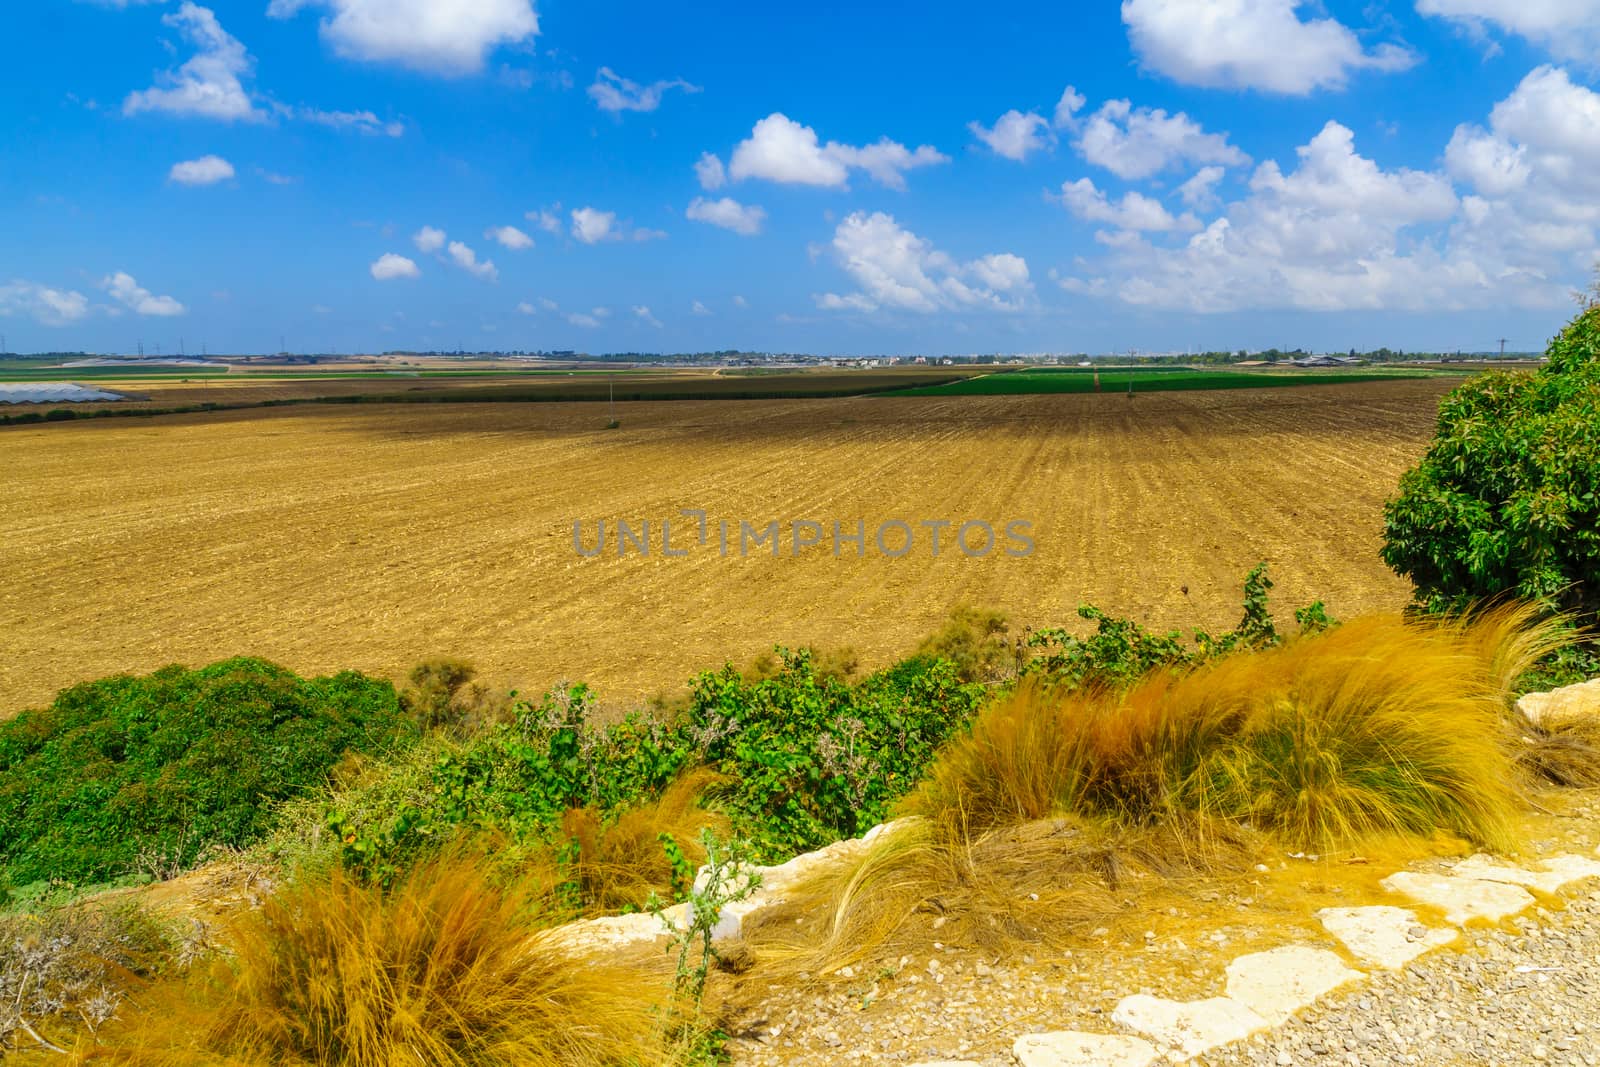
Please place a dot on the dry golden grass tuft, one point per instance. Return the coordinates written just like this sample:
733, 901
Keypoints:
1380, 726
621, 862
447, 969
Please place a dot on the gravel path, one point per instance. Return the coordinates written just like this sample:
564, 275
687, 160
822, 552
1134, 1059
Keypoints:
1527, 992
1509, 998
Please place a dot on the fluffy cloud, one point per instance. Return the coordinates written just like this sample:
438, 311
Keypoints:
612, 92
1134, 211
1336, 233
1568, 28
428, 239
591, 225
46, 306
209, 84
127, 292
1140, 142
642, 313
509, 237
1014, 135
897, 269
1067, 108
465, 258
781, 150
450, 37
547, 219
709, 172
1251, 44
1200, 191
727, 213
1535, 176
207, 170
699, 309
389, 266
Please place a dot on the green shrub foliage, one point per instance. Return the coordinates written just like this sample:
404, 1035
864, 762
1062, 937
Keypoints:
128, 772
1507, 498
804, 759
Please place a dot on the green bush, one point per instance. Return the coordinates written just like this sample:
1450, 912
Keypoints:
810, 760
1507, 499
127, 772
1120, 651
803, 759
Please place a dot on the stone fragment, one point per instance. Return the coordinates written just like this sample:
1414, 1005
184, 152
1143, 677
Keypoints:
1558, 871
616, 931
1570, 700
1277, 983
1382, 935
778, 879
1462, 900
1188, 1028
1068, 1048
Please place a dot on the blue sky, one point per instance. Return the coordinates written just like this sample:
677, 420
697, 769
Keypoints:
360, 175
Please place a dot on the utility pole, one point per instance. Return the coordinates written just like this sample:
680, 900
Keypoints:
141, 349
611, 388
1502, 348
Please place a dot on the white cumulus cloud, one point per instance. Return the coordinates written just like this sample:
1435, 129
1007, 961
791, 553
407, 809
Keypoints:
896, 269
207, 170
389, 266
591, 225
1336, 233
709, 172
1251, 44
209, 84
428, 239
1134, 211
782, 150
129, 293
465, 258
1014, 135
1140, 142
449, 37
46, 306
727, 213
1569, 29
509, 237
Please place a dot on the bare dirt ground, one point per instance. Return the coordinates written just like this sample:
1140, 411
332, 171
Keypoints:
372, 537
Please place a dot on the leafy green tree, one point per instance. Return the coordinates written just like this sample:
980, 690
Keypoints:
1507, 498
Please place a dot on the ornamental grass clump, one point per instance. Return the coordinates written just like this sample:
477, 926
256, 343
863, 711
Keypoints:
446, 968
1377, 727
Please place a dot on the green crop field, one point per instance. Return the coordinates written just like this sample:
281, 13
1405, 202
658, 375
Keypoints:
1143, 380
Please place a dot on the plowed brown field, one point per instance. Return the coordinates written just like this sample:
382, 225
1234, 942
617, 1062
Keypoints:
373, 537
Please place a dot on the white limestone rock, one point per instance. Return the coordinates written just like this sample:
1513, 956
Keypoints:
1277, 983
617, 931
1558, 872
1188, 1028
778, 879
1382, 935
1570, 700
1069, 1048
1462, 900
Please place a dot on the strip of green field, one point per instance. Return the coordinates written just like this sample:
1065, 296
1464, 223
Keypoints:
1084, 380
74, 374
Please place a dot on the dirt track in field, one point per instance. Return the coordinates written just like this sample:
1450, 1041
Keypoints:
373, 537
